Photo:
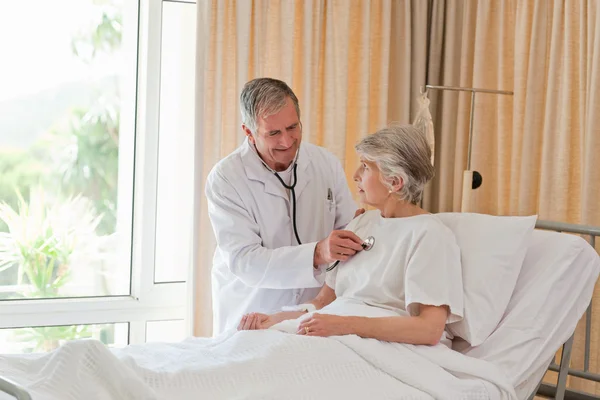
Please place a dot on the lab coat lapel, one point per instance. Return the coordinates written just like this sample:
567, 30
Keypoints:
303, 172
256, 171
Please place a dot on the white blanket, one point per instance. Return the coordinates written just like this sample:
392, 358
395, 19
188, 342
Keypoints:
257, 365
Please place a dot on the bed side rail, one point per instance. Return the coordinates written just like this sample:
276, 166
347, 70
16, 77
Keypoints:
559, 391
14, 389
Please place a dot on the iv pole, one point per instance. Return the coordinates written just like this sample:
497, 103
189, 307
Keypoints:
471, 179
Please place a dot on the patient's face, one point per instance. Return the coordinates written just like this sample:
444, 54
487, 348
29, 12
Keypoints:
371, 189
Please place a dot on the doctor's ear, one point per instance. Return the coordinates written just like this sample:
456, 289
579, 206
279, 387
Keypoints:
248, 133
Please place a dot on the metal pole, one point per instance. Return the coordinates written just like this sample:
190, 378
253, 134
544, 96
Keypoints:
466, 89
588, 334
563, 371
471, 117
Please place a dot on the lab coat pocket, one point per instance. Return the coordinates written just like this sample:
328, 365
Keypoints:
329, 211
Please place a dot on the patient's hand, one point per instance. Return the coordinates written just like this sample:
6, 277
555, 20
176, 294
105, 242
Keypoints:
325, 325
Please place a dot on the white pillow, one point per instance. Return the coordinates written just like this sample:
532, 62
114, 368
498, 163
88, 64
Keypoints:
492, 252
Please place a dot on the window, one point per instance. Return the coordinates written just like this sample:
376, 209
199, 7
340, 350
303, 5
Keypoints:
48, 338
165, 331
67, 106
176, 144
96, 113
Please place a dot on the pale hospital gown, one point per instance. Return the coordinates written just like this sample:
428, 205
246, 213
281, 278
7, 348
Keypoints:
414, 260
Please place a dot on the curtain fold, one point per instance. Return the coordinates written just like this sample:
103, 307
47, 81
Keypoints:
472, 45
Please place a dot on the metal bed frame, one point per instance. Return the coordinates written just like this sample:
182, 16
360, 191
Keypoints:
558, 391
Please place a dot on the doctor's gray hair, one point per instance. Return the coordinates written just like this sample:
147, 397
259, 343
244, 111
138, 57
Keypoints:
263, 97
400, 151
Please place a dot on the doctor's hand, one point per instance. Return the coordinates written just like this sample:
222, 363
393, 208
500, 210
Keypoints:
339, 245
359, 212
255, 321
326, 325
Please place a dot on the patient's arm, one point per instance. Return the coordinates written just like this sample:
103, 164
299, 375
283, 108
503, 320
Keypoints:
426, 328
254, 321
325, 297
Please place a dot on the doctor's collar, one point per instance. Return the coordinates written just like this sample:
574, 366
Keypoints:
253, 147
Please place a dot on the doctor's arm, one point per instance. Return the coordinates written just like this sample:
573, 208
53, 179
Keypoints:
238, 238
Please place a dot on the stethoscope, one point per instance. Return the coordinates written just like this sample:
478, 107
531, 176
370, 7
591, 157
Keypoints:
292, 189
366, 245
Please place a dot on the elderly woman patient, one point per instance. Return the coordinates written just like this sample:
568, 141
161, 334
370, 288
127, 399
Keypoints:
409, 284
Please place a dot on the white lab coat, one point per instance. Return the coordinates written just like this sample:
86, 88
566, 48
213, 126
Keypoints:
258, 265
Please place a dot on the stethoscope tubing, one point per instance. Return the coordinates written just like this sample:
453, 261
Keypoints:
292, 189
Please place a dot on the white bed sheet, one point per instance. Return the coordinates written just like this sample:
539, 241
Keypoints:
552, 293
258, 365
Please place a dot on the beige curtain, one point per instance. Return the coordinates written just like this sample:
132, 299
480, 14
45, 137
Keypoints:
472, 45
354, 65
536, 149
557, 83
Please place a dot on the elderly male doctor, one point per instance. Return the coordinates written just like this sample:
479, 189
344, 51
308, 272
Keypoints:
262, 263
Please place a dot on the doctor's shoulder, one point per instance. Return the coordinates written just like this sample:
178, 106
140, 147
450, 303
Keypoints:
227, 169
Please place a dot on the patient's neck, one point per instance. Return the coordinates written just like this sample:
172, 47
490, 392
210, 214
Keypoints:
393, 208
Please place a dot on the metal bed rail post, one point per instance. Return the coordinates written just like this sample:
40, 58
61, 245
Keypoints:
17, 391
560, 391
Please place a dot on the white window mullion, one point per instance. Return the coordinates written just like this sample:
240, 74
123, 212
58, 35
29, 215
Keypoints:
86, 311
147, 148
137, 332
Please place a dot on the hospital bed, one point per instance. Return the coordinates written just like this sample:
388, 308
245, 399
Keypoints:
563, 290
559, 390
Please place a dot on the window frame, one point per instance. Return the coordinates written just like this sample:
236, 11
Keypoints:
148, 301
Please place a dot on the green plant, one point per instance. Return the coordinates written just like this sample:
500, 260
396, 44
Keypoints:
19, 171
48, 338
104, 37
86, 157
43, 239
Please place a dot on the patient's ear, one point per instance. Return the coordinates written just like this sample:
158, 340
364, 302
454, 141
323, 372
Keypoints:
397, 184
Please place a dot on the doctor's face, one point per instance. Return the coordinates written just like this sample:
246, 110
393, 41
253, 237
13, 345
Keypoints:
277, 137
371, 189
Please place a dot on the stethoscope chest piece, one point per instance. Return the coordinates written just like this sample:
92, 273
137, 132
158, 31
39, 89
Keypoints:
368, 243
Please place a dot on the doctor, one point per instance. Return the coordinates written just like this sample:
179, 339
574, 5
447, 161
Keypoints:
259, 264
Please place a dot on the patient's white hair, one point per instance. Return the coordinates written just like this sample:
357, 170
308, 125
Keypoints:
401, 152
